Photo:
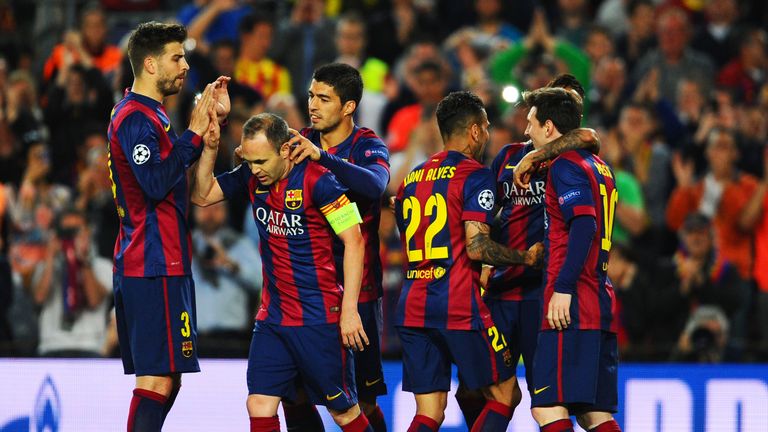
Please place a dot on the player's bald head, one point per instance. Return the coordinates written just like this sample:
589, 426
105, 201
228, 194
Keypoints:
271, 125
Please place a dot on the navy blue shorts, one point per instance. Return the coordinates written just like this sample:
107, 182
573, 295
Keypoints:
369, 375
576, 369
519, 322
481, 356
156, 324
280, 355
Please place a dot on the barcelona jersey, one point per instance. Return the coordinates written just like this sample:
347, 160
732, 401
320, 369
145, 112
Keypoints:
580, 184
442, 285
300, 285
521, 225
148, 170
362, 148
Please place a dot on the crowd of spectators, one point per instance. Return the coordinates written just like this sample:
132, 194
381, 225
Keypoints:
677, 90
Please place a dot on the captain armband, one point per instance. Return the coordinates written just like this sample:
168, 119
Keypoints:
341, 214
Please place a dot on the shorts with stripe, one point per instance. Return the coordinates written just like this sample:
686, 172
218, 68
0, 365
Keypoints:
481, 356
280, 356
156, 324
576, 369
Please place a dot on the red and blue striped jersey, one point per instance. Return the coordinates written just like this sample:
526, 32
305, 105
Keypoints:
442, 285
300, 285
362, 148
581, 184
148, 169
521, 225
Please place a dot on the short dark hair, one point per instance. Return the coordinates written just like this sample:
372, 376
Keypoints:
457, 112
566, 81
273, 127
345, 80
557, 105
250, 21
149, 39
430, 66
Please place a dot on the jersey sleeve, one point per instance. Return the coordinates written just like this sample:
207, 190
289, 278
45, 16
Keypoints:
369, 175
235, 182
496, 166
479, 196
140, 144
573, 190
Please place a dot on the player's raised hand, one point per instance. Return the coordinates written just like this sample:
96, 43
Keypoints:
221, 94
200, 118
352, 332
525, 169
212, 136
302, 148
559, 311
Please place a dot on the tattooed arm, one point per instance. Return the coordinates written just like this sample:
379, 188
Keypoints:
583, 138
480, 247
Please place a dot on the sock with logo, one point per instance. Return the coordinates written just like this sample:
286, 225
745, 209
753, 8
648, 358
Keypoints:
302, 418
494, 417
563, 425
146, 412
376, 419
171, 399
471, 404
359, 424
423, 423
265, 424
609, 426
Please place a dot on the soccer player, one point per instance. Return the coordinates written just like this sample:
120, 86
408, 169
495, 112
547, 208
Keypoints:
576, 359
360, 161
513, 294
307, 325
153, 288
443, 210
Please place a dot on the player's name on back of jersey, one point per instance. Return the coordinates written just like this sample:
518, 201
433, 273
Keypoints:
432, 174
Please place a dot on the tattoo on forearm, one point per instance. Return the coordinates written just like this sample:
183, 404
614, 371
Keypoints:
489, 251
570, 141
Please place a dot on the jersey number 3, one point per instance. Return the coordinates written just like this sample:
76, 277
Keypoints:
436, 206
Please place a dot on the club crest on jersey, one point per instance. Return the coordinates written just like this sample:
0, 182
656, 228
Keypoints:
186, 349
140, 154
293, 199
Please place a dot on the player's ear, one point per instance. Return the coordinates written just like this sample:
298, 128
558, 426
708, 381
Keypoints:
349, 107
150, 64
284, 151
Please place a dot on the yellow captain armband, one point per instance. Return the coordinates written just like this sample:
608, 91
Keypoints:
341, 214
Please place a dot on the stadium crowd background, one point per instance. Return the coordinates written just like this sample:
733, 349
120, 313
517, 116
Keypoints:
677, 90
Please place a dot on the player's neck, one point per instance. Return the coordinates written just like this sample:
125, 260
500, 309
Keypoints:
338, 135
462, 146
148, 89
553, 137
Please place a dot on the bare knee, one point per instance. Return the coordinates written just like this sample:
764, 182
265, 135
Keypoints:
506, 392
343, 418
546, 415
262, 405
432, 405
592, 419
163, 385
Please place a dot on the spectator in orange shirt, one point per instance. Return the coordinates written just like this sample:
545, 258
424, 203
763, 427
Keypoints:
253, 67
722, 194
87, 47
